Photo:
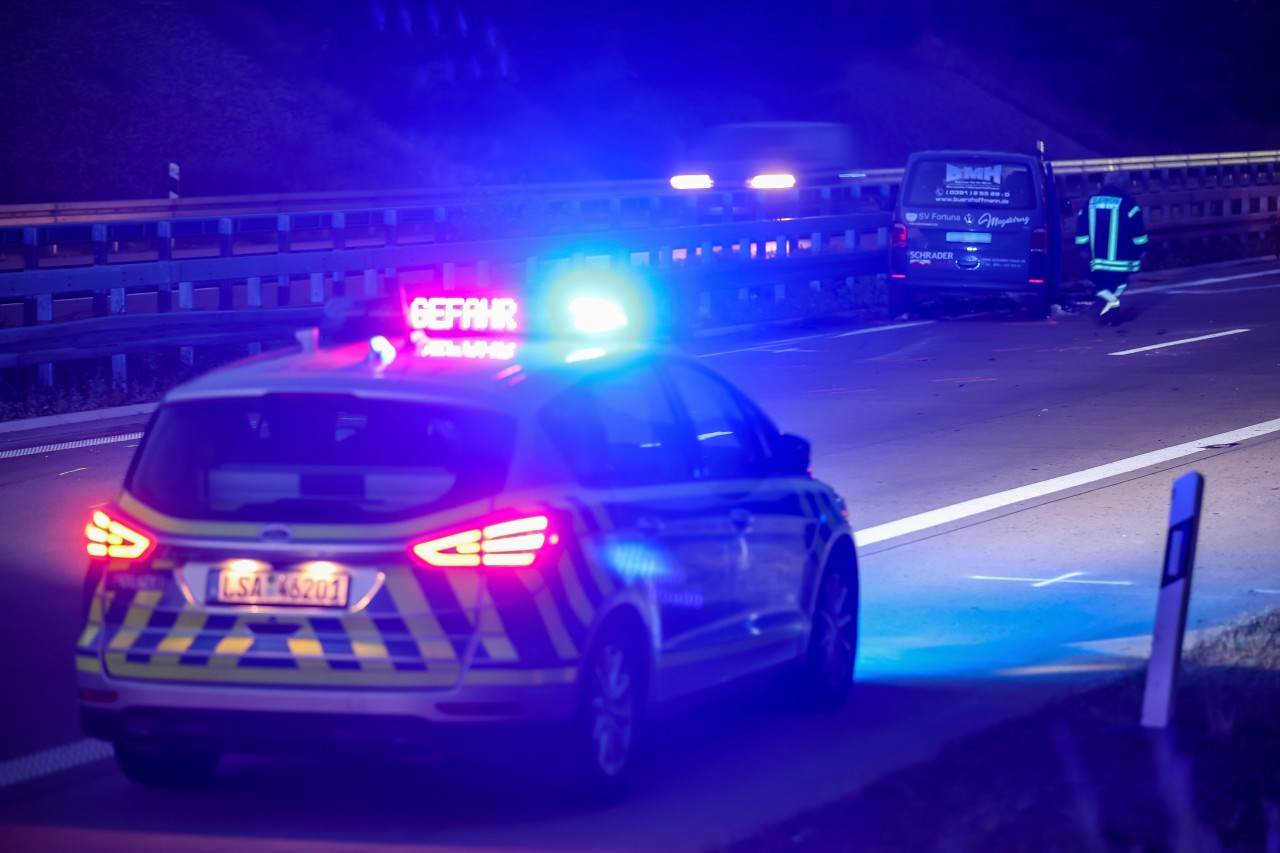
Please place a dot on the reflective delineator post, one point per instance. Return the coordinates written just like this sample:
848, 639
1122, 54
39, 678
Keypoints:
1175, 592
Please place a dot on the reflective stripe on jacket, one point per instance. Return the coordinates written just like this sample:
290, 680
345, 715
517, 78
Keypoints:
1111, 226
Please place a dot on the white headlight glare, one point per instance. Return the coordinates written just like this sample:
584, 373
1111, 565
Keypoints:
691, 182
772, 182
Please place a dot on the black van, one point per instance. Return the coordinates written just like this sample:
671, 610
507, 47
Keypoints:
975, 221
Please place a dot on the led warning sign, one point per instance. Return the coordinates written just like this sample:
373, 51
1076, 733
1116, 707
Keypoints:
463, 314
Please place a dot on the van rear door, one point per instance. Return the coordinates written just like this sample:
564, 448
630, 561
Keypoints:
970, 220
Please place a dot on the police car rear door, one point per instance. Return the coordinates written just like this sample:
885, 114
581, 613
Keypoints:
772, 532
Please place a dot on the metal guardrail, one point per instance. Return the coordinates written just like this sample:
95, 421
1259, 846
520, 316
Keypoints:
259, 254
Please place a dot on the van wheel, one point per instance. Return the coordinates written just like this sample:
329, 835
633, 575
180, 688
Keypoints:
602, 741
827, 674
166, 768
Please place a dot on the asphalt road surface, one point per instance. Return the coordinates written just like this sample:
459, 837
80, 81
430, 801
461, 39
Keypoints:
1009, 481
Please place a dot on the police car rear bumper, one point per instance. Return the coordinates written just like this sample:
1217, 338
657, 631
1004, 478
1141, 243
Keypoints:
274, 719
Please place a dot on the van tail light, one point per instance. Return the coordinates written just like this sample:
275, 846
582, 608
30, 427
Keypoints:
111, 538
1039, 246
898, 236
512, 541
1040, 240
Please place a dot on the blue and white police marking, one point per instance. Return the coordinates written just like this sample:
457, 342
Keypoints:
1175, 592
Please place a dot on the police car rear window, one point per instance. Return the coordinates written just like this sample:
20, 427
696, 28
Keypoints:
970, 183
318, 458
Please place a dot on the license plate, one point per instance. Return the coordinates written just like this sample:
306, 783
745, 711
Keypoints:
301, 588
968, 237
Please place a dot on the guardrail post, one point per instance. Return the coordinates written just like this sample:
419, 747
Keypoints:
744, 249
850, 240
726, 206
448, 275
284, 294
164, 241
780, 249
99, 232
370, 282
339, 283
253, 291
390, 227
284, 233
37, 310
439, 226
30, 248
338, 229
225, 247
118, 300
317, 288
119, 370
824, 200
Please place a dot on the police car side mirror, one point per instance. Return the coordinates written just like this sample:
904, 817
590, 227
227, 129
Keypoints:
791, 455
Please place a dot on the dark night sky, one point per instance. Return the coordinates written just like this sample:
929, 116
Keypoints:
292, 95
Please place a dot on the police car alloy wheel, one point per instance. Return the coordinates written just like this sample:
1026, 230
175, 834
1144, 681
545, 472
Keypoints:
833, 643
165, 768
607, 724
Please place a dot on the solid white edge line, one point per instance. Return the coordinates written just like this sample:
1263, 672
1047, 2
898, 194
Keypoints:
1183, 341
68, 445
976, 506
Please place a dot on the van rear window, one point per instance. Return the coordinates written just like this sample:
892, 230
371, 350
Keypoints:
970, 183
318, 458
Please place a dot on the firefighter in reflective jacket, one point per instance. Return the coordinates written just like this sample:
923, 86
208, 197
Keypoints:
1110, 227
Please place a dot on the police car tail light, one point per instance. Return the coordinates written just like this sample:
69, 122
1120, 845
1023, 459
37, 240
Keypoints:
898, 236
521, 542
111, 538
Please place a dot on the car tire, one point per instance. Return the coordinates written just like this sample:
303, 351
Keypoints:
827, 673
166, 768
604, 731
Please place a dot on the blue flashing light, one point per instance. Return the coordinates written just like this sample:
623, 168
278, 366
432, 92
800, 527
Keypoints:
595, 315
599, 299
586, 354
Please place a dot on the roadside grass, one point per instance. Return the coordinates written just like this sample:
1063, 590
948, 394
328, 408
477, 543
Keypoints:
1082, 775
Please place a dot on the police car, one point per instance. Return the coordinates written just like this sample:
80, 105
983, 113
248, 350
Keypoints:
393, 542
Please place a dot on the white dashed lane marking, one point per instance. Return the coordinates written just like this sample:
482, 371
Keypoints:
1183, 341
